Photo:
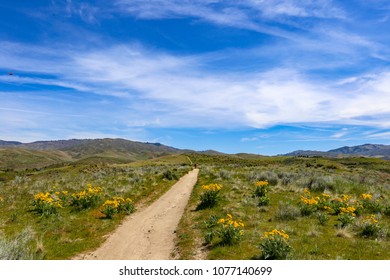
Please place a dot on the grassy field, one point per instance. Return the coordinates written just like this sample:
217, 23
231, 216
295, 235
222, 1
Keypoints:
77, 224
328, 209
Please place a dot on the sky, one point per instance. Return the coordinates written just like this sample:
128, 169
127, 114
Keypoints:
257, 76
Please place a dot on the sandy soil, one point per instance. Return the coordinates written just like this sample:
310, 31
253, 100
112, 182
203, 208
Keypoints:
148, 234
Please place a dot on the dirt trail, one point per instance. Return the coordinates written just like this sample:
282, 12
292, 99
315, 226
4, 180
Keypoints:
148, 234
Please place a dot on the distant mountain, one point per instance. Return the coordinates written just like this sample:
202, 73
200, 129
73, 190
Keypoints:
366, 150
370, 150
9, 143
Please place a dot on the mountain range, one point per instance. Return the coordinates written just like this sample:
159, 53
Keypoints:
366, 150
38, 154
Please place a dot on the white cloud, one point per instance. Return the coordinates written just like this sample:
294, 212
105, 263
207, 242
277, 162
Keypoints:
178, 91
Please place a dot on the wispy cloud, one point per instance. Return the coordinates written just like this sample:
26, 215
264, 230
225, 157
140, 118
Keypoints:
180, 91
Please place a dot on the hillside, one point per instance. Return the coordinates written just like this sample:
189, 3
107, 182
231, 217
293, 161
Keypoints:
16, 155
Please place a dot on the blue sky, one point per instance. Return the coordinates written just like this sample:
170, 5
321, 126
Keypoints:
258, 76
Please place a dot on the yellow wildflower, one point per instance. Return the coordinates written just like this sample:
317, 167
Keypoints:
262, 183
212, 187
275, 232
366, 196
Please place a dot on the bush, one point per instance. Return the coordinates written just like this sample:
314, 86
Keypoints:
320, 184
87, 198
169, 175
263, 201
209, 197
275, 245
369, 227
322, 218
261, 188
287, 212
117, 205
20, 247
270, 177
47, 203
345, 219
230, 231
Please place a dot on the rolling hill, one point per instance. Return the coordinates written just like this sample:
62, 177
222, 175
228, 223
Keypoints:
16, 155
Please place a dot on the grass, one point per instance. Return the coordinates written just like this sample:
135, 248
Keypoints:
312, 235
72, 230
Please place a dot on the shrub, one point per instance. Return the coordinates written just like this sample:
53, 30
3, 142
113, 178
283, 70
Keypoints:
169, 175
87, 198
270, 177
320, 184
225, 174
117, 205
308, 203
322, 218
261, 188
287, 212
46, 203
229, 231
209, 197
345, 219
275, 245
263, 201
18, 248
369, 227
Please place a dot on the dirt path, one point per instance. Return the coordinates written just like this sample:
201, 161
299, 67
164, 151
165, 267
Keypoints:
148, 234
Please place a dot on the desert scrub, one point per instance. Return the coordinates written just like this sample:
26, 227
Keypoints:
20, 247
370, 204
345, 219
275, 245
229, 231
287, 212
209, 197
322, 218
47, 203
368, 226
117, 205
87, 198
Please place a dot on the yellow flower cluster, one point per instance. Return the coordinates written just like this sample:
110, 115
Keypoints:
111, 203
370, 219
345, 197
48, 198
309, 200
366, 196
90, 191
348, 210
275, 232
262, 183
212, 187
229, 221
1, 199
116, 202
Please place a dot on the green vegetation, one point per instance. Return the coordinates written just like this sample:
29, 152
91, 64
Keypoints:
327, 208
58, 212
243, 206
